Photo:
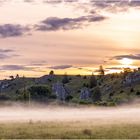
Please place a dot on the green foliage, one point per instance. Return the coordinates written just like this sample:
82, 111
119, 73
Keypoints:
69, 97
75, 100
4, 97
52, 96
85, 102
96, 94
65, 79
132, 90
39, 91
138, 93
92, 82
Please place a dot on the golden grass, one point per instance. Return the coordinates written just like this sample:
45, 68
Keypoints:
68, 130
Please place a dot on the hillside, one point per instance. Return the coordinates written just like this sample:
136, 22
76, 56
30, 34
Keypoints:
104, 90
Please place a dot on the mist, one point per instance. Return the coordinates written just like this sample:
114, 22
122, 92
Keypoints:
52, 113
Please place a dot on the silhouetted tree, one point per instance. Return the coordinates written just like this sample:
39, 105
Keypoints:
126, 71
11, 77
17, 76
101, 71
51, 72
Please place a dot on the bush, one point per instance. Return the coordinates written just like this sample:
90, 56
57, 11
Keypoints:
132, 90
106, 103
75, 100
92, 82
65, 79
85, 102
39, 91
87, 132
69, 97
52, 96
121, 91
4, 97
96, 94
138, 93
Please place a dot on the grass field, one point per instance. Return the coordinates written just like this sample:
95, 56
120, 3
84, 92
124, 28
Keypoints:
67, 130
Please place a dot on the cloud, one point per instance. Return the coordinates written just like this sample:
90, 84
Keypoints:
115, 5
114, 68
55, 23
130, 56
12, 67
18, 67
6, 50
38, 63
60, 67
12, 30
7, 53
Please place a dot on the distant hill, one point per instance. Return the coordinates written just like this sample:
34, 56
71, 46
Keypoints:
105, 90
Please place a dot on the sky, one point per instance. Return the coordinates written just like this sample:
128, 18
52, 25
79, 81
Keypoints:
68, 36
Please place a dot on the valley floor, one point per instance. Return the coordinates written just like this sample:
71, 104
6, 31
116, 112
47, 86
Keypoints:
68, 130
81, 122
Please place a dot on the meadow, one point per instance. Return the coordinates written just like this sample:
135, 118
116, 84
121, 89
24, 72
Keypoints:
53, 122
73, 130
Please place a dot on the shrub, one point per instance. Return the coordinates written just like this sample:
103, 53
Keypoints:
121, 91
75, 100
84, 102
69, 97
87, 132
132, 90
52, 96
65, 79
39, 91
96, 94
92, 82
138, 93
4, 97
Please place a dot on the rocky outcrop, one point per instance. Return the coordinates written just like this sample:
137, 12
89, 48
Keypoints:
60, 91
85, 94
132, 79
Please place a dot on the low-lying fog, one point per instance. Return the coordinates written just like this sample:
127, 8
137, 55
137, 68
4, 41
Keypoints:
98, 115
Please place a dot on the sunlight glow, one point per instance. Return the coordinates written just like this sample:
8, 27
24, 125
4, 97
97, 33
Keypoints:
126, 61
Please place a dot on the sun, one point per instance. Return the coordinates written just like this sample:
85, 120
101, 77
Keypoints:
126, 61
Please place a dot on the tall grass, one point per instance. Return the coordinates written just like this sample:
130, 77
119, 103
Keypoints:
73, 130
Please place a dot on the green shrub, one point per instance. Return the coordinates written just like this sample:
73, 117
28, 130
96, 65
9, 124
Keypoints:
39, 91
96, 94
75, 100
84, 102
138, 93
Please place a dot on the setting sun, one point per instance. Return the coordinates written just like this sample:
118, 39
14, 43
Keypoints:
126, 61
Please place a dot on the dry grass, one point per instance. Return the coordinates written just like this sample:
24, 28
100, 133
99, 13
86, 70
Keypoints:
69, 130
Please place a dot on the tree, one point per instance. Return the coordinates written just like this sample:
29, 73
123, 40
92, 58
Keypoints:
51, 72
126, 71
17, 76
39, 92
96, 94
101, 71
92, 81
11, 77
65, 79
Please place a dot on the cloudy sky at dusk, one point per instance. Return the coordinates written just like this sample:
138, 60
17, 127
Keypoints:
37, 36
